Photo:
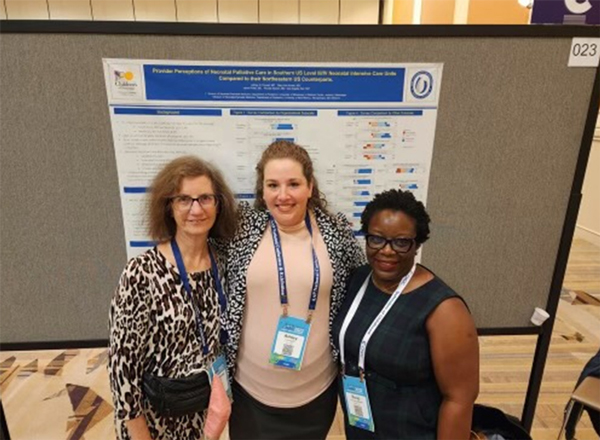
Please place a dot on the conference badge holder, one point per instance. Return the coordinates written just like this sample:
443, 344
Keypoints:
357, 403
219, 368
290, 342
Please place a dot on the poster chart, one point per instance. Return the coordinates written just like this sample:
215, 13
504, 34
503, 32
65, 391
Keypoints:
367, 127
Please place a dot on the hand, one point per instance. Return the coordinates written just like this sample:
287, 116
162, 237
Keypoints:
138, 428
219, 410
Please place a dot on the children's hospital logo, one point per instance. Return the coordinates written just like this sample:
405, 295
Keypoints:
125, 78
421, 84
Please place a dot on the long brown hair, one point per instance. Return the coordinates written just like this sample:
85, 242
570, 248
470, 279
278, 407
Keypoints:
167, 182
288, 150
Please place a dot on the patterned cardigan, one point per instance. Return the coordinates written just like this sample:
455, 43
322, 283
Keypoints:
343, 249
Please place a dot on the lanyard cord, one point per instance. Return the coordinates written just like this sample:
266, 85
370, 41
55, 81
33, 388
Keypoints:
223, 336
367, 336
283, 296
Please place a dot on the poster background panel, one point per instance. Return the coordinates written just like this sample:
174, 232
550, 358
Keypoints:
505, 153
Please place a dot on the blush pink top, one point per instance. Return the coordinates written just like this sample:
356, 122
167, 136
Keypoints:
276, 386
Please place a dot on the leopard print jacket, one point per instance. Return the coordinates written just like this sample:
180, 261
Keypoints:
343, 249
153, 328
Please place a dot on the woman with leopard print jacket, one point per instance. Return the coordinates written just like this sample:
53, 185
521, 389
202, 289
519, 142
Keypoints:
278, 394
165, 314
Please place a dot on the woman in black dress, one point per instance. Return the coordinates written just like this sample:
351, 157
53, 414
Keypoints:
405, 334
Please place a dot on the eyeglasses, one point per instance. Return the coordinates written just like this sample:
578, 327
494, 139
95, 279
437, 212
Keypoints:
184, 203
399, 245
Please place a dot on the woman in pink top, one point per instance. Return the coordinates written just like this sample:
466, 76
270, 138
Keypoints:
287, 270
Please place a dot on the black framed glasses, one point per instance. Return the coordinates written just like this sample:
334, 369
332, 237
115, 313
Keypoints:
184, 203
399, 245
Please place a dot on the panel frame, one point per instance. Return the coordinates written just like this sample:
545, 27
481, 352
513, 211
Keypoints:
284, 30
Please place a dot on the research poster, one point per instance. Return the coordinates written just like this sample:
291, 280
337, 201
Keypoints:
368, 127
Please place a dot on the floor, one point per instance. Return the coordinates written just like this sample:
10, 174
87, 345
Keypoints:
67, 390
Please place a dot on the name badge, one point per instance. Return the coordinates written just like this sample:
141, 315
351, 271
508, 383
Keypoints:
219, 368
357, 403
289, 343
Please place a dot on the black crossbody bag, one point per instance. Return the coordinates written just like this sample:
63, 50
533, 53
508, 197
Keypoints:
177, 397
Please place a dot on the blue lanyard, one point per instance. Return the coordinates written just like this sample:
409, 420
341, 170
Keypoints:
283, 297
223, 336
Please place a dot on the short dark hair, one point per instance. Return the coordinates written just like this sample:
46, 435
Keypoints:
162, 226
288, 150
398, 200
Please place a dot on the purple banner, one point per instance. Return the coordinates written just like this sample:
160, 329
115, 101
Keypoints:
566, 11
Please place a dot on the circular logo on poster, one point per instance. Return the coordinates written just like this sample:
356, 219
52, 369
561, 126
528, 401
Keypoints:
421, 84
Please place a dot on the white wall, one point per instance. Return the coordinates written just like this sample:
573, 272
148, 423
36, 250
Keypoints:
588, 221
216, 11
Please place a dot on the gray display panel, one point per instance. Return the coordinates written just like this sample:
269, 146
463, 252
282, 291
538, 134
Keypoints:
508, 136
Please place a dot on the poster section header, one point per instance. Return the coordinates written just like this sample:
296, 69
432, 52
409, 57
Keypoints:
274, 83
167, 111
382, 113
274, 112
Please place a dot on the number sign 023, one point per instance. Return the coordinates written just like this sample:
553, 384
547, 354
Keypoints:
585, 52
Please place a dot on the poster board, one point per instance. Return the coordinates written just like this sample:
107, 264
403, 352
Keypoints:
509, 146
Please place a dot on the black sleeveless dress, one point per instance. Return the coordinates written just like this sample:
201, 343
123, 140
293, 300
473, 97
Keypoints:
403, 392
